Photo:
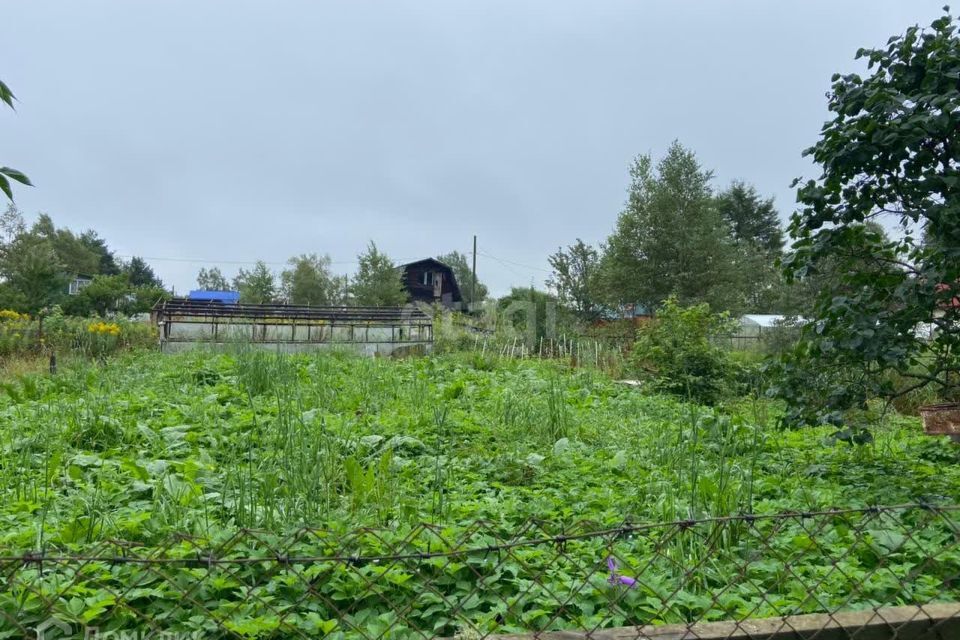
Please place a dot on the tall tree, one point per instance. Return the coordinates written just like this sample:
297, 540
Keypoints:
74, 255
574, 278
670, 239
377, 282
758, 242
257, 286
32, 275
752, 219
889, 152
309, 281
30, 267
140, 274
106, 262
212, 280
6, 173
463, 272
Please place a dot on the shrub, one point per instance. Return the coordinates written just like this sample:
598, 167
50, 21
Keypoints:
20, 334
679, 352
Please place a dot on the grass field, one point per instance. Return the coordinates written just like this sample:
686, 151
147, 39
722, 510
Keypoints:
147, 446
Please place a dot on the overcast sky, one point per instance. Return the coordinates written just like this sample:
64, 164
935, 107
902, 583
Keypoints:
228, 132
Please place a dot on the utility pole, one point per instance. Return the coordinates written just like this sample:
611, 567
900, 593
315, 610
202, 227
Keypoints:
473, 283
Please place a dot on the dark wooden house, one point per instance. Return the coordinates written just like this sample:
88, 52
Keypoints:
431, 281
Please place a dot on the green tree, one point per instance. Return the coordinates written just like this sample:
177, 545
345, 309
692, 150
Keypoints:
758, 243
309, 281
257, 286
75, 254
889, 152
212, 280
463, 272
751, 218
105, 294
670, 239
574, 278
144, 298
535, 314
29, 266
681, 352
106, 262
377, 282
140, 274
6, 173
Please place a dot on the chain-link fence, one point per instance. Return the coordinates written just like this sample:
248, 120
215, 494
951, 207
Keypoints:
880, 572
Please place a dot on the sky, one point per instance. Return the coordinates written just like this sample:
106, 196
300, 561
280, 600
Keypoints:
218, 133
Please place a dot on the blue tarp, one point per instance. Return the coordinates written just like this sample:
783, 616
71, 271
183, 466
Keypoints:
227, 297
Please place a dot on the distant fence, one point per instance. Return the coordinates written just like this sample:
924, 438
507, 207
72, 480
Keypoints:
876, 572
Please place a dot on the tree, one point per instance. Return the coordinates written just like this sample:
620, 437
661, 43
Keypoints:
256, 286
31, 271
670, 239
758, 243
212, 280
29, 266
144, 298
75, 254
751, 218
377, 282
536, 314
463, 272
573, 278
890, 151
140, 274
6, 173
309, 281
106, 261
104, 294
680, 352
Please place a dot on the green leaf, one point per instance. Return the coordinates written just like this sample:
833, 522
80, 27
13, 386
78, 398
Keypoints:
19, 176
6, 95
5, 187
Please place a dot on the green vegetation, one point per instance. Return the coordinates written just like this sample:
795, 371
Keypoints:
888, 153
39, 261
680, 352
146, 446
55, 333
378, 282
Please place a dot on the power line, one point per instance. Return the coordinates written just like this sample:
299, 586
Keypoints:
517, 264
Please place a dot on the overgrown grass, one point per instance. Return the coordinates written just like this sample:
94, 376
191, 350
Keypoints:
201, 442
145, 447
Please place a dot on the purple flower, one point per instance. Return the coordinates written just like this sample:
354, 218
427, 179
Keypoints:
616, 578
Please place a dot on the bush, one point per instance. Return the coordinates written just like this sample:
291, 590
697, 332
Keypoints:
679, 352
20, 334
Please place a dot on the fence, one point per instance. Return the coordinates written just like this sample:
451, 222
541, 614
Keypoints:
877, 572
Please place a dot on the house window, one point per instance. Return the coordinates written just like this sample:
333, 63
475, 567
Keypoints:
428, 278
77, 285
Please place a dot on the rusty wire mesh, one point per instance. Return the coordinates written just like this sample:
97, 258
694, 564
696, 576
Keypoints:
490, 578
